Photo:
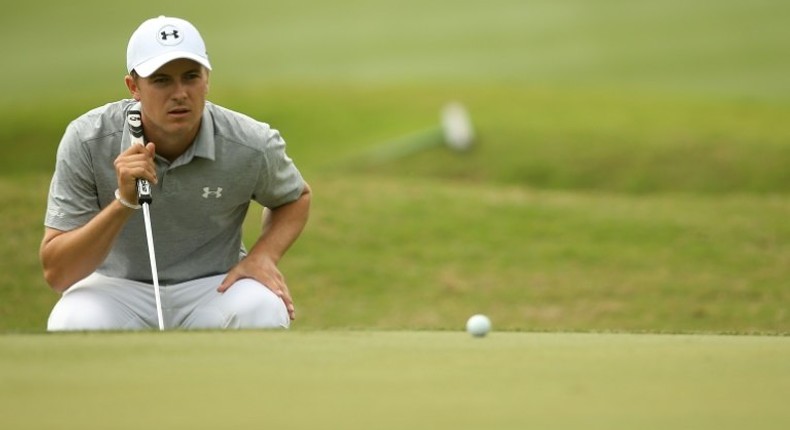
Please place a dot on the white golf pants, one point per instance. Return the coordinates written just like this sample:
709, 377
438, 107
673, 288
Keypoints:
102, 303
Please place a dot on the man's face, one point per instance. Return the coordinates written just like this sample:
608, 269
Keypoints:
173, 98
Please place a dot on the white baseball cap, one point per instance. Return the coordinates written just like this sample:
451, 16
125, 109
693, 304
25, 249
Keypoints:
160, 40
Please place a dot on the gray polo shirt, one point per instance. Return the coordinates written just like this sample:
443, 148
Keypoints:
200, 200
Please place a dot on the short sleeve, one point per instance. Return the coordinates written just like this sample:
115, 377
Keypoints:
72, 199
279, 182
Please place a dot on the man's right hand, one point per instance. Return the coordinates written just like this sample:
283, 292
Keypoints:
136, 162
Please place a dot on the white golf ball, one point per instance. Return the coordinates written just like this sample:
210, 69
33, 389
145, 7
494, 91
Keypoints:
478, 325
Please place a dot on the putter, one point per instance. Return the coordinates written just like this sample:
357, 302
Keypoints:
135, 121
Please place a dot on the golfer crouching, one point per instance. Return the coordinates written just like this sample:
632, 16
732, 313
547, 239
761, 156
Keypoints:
205, 164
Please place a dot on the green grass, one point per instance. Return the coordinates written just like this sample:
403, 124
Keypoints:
631, 172
631, 176
710, 48
424, 242
411, 253
541, 260
393, 380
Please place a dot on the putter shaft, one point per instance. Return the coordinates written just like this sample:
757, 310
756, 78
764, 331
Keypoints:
150, 238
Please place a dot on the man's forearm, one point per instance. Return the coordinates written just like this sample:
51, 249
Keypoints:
69, 256
282, 226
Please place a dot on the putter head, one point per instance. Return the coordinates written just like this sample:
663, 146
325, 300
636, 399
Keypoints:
456, 127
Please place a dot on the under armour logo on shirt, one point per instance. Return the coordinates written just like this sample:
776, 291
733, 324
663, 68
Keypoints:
209, 192
55, 213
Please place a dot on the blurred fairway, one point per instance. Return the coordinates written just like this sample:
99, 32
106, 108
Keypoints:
631, 175
393, 380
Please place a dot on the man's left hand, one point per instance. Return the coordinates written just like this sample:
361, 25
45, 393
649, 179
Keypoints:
265, 271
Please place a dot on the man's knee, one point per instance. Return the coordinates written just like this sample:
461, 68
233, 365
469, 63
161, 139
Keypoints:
85, 310
246, 304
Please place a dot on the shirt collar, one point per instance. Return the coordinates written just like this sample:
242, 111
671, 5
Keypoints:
203, 146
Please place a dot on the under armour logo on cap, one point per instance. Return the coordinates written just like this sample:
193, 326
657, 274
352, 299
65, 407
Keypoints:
169, 35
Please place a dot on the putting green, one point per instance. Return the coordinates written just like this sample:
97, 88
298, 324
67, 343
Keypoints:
397, 380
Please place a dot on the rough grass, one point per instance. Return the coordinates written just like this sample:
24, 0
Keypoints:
429, 253
658, 238
415, 253
631, 172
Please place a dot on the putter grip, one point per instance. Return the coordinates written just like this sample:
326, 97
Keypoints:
144, 192
134, 119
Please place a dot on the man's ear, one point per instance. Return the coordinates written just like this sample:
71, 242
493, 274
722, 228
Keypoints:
131, 84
